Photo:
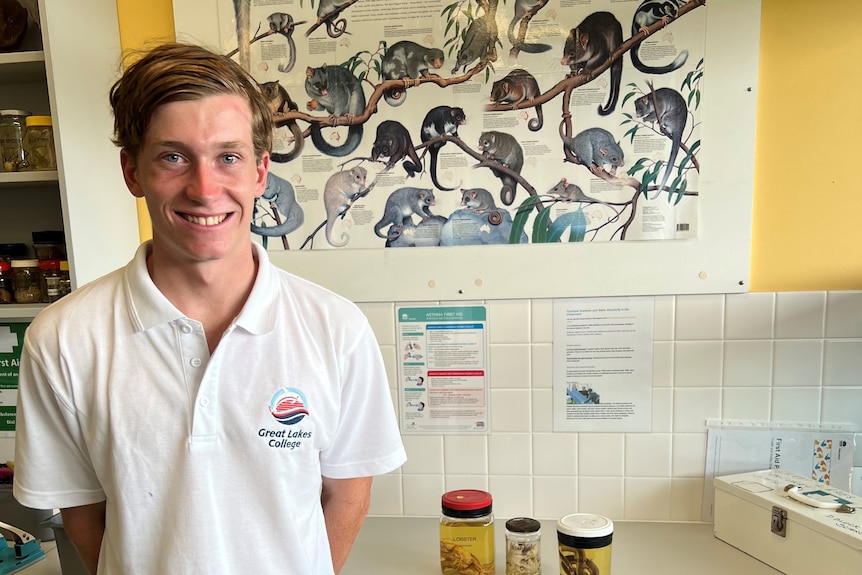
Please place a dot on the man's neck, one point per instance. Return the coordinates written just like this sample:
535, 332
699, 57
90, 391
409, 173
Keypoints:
212, 293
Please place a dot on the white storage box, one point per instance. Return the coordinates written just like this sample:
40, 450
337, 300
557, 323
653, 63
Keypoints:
755, 513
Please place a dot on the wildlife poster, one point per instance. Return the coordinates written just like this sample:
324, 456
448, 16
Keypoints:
603, 364
475, 122
443, 377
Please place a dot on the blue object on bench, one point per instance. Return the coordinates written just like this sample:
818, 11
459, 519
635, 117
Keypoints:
21, 549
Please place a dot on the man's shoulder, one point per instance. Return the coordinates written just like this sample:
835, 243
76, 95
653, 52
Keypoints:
85, 304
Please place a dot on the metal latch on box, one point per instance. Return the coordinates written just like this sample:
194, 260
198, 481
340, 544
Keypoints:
779, 521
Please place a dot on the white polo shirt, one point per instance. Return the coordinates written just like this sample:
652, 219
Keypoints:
209, 464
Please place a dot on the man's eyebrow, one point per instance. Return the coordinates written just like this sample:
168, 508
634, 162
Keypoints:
229, 145
235, 144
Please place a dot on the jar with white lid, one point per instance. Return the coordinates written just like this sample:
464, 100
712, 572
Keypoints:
585, 544
26, 281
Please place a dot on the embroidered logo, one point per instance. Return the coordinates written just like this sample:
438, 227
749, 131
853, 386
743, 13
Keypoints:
288, 406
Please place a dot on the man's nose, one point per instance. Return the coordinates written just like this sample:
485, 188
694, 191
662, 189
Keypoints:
203, 181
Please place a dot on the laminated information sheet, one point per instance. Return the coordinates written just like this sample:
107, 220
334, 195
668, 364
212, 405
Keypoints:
443, 375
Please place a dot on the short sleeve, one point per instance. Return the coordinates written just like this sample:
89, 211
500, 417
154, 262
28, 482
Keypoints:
367, 441
52, 468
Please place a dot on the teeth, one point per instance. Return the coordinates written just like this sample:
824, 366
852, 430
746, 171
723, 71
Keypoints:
208, 221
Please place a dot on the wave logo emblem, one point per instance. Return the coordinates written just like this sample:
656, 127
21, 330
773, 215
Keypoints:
288, 406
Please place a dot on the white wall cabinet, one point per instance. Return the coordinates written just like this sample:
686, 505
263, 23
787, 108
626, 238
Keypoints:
67, 73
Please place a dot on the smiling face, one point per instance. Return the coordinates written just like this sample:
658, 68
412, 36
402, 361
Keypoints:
198, 173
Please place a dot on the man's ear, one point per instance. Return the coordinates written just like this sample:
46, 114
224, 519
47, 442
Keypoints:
262, 171
130, 173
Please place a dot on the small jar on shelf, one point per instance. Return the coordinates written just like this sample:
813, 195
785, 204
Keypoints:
65, 279
26, 281
9, 252
6, 289
39, 143
49, 245
50, 280
12, 129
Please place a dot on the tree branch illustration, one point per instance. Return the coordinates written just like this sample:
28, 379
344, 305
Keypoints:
334, 28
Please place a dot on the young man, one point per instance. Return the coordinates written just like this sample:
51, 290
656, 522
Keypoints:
200, 411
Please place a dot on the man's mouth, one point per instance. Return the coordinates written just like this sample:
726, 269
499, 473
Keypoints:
205, 220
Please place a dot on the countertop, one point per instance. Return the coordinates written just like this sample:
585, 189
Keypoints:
402, 545
395, 546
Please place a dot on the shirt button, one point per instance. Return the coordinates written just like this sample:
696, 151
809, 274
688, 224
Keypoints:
186, 328
205, 401
196, 362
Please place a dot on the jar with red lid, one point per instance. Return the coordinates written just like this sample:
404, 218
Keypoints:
467, 533
6, 289
50, 280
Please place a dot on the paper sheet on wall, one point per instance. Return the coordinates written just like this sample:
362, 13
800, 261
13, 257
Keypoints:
443, 376
823, 455
603, 364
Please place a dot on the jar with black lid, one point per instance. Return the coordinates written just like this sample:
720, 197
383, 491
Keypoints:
467, 533
9, 252
49, 245
523, 536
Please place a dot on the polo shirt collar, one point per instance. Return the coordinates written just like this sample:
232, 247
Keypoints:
257, 315
148, 307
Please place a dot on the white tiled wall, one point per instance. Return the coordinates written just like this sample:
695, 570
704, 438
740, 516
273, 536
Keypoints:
789, 356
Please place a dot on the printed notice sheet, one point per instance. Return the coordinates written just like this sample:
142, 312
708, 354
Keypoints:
603, 364
443, 369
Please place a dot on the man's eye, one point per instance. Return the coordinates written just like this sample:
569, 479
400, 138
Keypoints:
173, 158
230, 158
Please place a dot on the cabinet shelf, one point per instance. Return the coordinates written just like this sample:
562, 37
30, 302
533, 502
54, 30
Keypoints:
22, 67
18, 311
68, 77
17, 179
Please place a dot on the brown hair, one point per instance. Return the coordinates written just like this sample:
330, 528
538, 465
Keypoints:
175, 72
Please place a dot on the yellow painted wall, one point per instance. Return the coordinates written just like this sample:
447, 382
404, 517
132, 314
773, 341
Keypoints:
806, 233
142, 24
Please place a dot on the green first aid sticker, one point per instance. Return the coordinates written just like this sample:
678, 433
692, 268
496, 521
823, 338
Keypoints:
11, 340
